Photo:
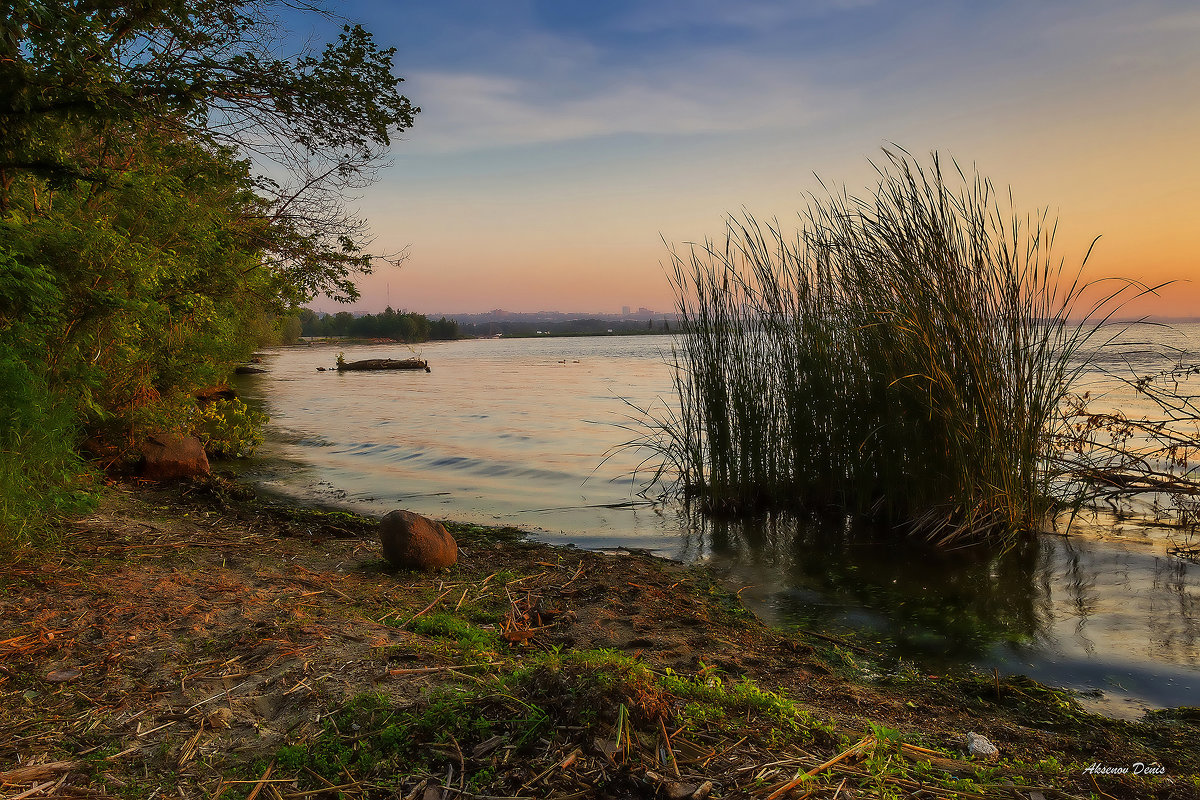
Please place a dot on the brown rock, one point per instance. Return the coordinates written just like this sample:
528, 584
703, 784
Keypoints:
411, 541
167, 456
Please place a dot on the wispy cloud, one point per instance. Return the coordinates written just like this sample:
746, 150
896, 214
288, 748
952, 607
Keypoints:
751, 15
470, 111
553, 125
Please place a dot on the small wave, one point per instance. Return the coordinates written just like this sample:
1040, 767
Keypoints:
380, 453
301, 438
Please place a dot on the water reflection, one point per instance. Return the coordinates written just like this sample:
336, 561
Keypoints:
1116, 621
1172, 625
946, 604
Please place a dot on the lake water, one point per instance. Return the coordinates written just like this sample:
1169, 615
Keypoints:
527, 432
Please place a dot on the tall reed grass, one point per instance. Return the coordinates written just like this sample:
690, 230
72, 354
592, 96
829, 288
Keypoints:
902, 357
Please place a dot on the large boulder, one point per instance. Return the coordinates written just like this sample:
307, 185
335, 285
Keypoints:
168, 456
411, 541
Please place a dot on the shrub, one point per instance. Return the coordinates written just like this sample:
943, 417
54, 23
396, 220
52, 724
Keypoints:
41, 475
229, 428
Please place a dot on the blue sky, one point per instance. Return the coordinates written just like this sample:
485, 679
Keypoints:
558, 141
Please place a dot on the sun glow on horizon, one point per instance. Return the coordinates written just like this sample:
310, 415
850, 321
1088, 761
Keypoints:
558, 151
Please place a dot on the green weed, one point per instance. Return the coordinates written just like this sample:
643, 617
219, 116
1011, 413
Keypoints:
229, 428
470, 639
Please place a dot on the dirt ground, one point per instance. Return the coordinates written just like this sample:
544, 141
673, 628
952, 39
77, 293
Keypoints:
179, 637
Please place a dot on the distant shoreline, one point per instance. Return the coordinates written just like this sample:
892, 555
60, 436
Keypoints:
331, 340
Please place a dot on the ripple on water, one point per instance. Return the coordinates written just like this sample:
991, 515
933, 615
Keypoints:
501, 431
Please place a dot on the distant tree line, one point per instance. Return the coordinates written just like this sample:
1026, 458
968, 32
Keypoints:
590, 326
403, 326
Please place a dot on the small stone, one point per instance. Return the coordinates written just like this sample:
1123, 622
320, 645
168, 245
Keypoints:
168, 456
411, 541
605, 747
980, 747
678, 791
220, 719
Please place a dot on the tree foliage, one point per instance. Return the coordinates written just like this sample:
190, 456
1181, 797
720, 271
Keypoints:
403, 326
316, 123
170, 177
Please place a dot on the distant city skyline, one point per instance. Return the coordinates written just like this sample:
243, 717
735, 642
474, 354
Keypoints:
331, 307
561, 142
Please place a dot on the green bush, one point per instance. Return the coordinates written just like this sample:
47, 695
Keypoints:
229, 428
41, 475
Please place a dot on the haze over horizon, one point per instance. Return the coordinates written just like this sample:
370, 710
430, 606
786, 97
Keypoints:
560, 143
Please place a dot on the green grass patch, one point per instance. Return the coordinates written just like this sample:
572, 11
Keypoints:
469, 638
465, 532
569, 699
709, 701
42, 477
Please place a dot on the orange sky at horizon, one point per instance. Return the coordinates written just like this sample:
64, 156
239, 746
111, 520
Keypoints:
600, 255
529, 188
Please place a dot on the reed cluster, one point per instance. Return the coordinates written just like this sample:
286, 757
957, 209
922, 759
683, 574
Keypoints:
901, 357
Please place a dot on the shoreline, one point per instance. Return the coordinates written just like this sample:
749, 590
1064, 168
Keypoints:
1113, 685
195, 636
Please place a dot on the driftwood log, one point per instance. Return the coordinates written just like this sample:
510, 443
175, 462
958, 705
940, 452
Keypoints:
383, 363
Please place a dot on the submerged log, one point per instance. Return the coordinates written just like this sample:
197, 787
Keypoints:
383, 363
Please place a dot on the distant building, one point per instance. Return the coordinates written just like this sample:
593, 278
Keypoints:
644, 310
625, 311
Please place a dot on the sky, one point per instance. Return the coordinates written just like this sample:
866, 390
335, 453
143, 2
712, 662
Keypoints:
563, 145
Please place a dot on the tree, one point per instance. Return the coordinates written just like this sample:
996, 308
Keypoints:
154, 282
319, 123
342, 322
443, 329
289, 329
140, 237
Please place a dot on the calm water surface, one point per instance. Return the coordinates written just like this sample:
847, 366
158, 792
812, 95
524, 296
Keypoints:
525, 432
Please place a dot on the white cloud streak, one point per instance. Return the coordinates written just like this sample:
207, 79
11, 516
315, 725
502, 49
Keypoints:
475, 111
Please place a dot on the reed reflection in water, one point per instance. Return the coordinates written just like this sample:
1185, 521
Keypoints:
927, 601
1072, 612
